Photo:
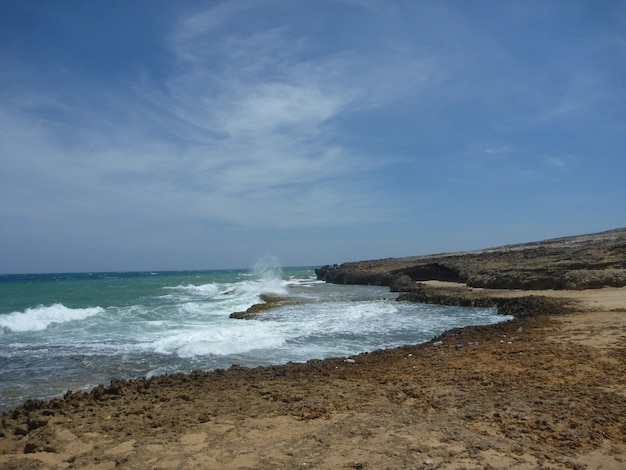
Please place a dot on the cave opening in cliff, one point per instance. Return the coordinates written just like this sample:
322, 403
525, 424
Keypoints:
432, 272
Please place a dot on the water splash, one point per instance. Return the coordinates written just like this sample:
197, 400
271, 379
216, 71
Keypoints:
269, 272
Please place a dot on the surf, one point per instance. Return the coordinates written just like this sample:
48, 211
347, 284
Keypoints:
41, 317
88, 329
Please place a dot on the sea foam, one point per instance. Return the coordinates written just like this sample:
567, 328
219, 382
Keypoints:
218, 342
41, 317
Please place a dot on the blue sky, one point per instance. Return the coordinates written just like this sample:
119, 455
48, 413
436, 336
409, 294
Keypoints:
147, 135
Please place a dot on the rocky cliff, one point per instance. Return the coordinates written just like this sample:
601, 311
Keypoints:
578, 262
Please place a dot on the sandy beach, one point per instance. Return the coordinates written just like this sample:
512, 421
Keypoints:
537, 392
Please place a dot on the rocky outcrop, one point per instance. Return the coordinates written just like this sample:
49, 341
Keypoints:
579, 262
517, 306
267, 302
354, 273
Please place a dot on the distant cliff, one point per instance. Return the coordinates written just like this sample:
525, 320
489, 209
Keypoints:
578, 262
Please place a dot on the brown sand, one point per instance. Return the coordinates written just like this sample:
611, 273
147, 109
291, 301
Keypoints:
541, 392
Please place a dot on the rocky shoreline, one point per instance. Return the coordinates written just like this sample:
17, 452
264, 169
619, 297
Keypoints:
545, 390
479, 278
574, 263
517, 306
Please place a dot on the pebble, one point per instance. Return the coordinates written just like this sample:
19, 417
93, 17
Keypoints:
437, 343
350, 361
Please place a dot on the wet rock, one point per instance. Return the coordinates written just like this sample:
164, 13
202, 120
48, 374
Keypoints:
268, 302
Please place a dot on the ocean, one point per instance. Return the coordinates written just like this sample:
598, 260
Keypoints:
76, 331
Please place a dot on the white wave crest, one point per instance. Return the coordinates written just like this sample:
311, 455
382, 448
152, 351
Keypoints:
275, 286
203, 289
219, 342
303, 281
39, 318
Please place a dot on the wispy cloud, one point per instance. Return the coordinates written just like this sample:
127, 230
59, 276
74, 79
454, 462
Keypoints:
565, 163
247, 116
498, 150
260, 109
242, 129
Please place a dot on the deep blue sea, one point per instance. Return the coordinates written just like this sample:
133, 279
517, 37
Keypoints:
75, 331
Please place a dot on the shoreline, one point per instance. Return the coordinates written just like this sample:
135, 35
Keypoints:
540, 390
545, 390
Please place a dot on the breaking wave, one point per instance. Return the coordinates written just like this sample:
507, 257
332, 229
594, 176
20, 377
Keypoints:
41, 317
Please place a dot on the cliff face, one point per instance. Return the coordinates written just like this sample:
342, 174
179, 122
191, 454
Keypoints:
578, 262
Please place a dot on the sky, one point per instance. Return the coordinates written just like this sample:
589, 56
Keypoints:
174, 135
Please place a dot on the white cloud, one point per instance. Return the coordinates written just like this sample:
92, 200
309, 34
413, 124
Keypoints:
233, 133
258, 111
302, 114
498, 150
246, 125
565, 163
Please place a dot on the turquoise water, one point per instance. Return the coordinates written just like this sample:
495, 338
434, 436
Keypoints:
75, 331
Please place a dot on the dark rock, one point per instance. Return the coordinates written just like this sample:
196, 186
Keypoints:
30, 448
36, 422
21, 430
243, 315
269, 302
532, 305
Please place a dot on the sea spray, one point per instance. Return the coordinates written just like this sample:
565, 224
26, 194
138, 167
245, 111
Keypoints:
269, 273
